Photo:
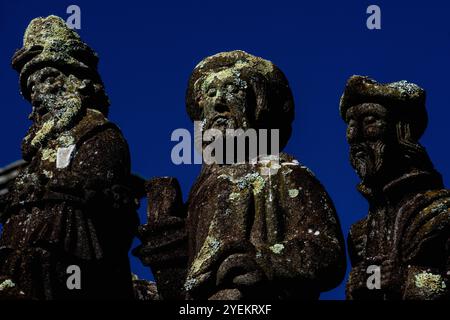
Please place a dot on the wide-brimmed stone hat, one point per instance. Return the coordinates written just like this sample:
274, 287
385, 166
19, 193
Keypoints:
49, 42
403, 99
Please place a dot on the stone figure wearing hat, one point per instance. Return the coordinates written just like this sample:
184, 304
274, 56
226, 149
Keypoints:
72, 205
404, 239
248, 230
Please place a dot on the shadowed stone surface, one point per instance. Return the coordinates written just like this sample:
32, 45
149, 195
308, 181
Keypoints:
266, 230
406, 232
145, 290
73, 202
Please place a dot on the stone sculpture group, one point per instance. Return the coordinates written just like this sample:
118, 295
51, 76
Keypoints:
248, 230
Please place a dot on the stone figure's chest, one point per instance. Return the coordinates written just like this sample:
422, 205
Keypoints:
381, 231
225, 195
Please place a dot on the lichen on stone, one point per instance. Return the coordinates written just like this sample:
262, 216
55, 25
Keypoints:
430, 282
7, 284
189, 284
49, 155
293, 193
251, 180
277, 248
405, 87
233, 196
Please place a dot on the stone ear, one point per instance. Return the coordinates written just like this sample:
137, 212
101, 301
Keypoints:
403, 131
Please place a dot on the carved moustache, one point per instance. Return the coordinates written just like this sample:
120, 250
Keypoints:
367, 157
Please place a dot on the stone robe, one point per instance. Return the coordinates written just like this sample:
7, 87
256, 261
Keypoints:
72, 205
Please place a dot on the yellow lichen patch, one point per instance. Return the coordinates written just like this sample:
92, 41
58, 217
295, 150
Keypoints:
65, 140
206, 253
253, 180
430, 282
277, 248
233, 196
293, 193
246, 60
42, 133
43, 31
48, 155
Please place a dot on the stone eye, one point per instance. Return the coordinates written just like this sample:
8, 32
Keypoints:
50, 80
370, 120
211, 92
231, 88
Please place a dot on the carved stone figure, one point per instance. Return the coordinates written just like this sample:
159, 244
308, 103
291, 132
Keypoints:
73, 202
406, 232
248, 230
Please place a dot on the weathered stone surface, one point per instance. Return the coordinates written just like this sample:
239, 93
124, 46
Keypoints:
7, 176
145, 290
407, 230
73, 203
164, 240
266, 230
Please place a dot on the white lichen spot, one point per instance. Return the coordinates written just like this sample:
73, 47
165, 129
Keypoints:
269, 165
48, 174
277, 248
7, 284
189, 284
405, 87
293, 163
293, 193
317, 233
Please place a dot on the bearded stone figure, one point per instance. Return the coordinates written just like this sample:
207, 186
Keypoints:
406, 232
72, 204
264, 229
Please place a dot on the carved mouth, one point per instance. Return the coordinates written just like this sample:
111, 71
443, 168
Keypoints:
358, 151
219, 121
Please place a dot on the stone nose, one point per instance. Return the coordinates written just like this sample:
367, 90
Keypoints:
354, 134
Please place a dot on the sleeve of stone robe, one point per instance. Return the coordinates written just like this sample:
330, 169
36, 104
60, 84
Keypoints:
309, 246
426, 245
356, 285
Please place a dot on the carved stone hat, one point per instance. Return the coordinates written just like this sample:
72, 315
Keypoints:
403, 99
274, 103
49, 42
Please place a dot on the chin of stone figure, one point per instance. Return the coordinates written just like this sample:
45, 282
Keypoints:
368, 160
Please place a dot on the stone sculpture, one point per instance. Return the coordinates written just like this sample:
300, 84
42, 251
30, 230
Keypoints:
406, 232
73, 203
250, 230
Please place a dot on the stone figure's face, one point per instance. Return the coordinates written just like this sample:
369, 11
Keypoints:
371, 139
52, 93
223, 99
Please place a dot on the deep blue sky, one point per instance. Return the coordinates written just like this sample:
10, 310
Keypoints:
147, 51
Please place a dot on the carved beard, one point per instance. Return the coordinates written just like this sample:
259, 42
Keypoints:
65, 110
368, 159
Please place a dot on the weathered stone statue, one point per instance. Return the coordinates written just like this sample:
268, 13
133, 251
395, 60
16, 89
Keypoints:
246, 232
72, 204
406, 233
